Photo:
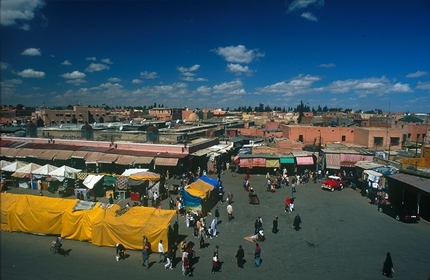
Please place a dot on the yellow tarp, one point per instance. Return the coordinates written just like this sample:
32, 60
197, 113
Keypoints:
130, 228
145, 176
38, 214
200, 189
272, 163
78, 225
7, 200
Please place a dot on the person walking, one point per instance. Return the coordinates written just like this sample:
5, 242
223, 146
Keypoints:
215, 262
230, 212
171, 204
169, 259
275, 225
292, 204
217, 215
161, 254
145, 259
240, 254
387, 268
296, 223
185, 263
257, 254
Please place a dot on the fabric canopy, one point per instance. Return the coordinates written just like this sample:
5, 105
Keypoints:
23, 171
77, 225
107, 158
130, 171
44, 170
142, 160
349, 160
332, 161
9, 152
64, 155
245, 162
93, 157
48, 154
109, 180
65, 171
305, 160
7, 201
287, 160
91, 180
258, 162
272, 163
202, 192
4, 163
14, 166
145, 176
166, 161
125, 160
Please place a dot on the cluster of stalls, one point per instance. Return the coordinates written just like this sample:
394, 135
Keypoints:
93, 222
66, 180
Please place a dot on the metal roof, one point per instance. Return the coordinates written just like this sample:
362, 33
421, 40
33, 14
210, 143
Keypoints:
415, 181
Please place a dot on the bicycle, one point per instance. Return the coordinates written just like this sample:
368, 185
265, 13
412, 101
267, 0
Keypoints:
53, 248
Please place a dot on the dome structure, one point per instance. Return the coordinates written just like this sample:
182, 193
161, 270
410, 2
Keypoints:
193, 117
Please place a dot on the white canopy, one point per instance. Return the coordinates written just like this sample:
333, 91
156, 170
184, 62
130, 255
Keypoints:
21, 172
14, 166
65, 171
91, 180
131, 171
44, 170
4, 163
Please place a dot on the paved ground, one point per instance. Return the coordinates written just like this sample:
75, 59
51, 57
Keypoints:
342, 237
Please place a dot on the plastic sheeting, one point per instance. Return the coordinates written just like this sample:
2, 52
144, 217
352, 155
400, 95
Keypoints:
145, 176
7, 201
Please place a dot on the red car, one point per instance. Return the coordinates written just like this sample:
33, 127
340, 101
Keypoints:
333, 183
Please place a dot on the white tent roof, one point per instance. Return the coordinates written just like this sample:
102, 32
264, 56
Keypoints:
91, 180
64, 171
14, 166
44, 170
131, 171
4, 163
21, 172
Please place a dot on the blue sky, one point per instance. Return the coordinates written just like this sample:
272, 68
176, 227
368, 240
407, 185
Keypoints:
217, 54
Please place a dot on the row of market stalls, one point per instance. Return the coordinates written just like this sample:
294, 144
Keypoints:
74, 219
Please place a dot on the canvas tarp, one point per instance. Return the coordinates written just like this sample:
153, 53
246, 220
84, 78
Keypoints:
332, 161
65, 171
14, 166
202, 191
77, 225
145, 176
129, 229
38, 214
92, 180
44, 170
7, 200
23, 171
272, 163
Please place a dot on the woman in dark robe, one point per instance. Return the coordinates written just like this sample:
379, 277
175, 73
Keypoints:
388, 266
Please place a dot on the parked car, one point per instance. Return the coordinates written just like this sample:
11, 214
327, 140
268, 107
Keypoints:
400, 213
333, 183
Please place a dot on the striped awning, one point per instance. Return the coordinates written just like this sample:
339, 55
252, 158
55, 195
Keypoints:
332, 161
23, 153
93, 157
125, 160
107, 158
258, 162
143, 160
49, 154
166, 161
305, 160
64, 155
349, 160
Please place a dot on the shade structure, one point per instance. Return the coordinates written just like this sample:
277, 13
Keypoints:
332, 161
64, 155
125, 160
131, 171
49, 154
4, 163
272, 163
7, 201
201, 195
245, 162
145, 176
44, 170
77, 225
166, 161
9, 152
258, 162
23, 171
107, 158
14, 166
289, 160
92, 180
65, 171
305, 160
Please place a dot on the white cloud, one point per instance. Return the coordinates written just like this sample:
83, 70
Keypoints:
66, 62
238, 54
107, 86
92, 58
416, 74
297, 85
107, 61
309, 16
11, 83
15, 12
30, 73
239, 69
114, 80
73, 75
233, 87
423, 86
367, 86
136, 81
301, 4
149, 75
31, 52
327, 65
95, 67
187, 74
4, 65
76, 82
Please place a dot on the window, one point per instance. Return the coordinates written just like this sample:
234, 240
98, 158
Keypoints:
394, 141
378, 141
409, 135
301, 138
343, 138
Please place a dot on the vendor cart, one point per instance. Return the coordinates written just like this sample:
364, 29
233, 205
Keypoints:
253, 198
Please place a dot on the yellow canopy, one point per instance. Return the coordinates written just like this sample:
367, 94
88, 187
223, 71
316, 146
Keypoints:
145, 176
7, 200
38, 214
200, 189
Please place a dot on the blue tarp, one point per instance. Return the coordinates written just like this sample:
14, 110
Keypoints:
210, 181
190, 200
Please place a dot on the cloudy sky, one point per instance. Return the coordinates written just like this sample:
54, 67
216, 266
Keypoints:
217, 54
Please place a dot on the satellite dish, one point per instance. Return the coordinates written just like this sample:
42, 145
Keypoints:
95, 123
121, 127
131, 122
110, 125
177, 121
184, 120
61, 126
